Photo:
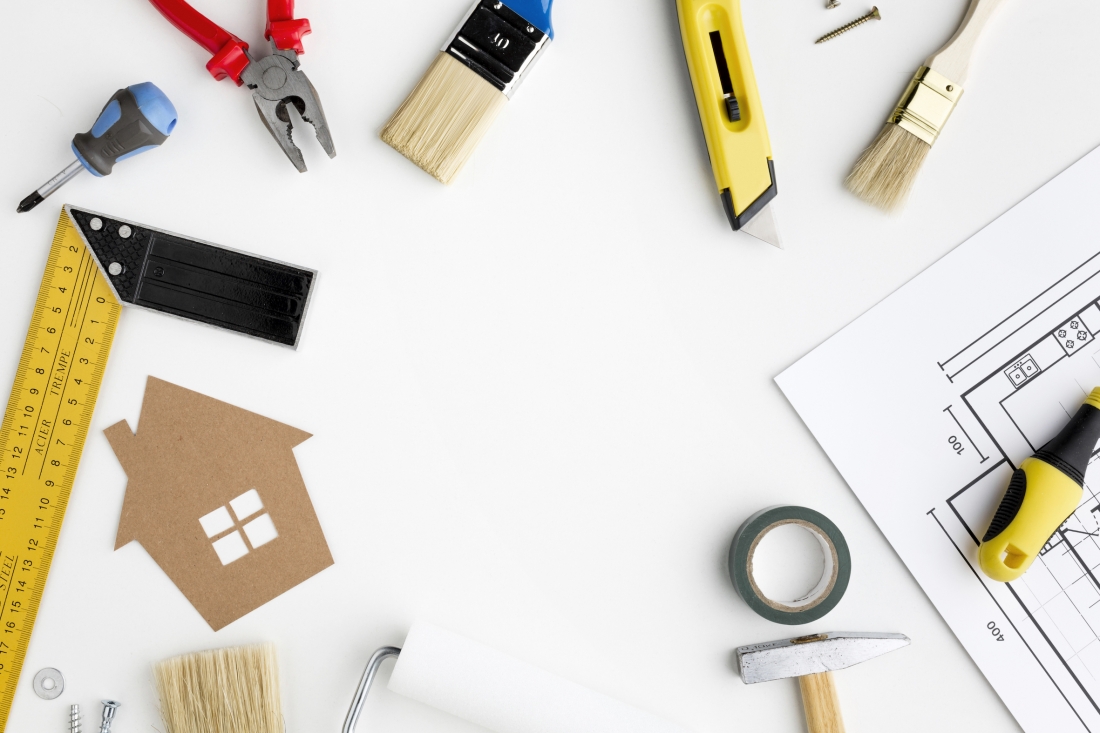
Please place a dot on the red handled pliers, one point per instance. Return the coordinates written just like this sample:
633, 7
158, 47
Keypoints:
276, 80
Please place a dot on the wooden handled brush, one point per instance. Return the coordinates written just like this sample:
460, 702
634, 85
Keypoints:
887, 169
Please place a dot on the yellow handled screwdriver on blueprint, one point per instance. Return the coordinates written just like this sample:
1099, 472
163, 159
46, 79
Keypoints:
1042, 493
731, 114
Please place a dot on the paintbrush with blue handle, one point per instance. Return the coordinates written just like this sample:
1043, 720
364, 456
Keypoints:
478, 69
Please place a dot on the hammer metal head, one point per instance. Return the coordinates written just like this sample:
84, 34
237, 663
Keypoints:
812, 654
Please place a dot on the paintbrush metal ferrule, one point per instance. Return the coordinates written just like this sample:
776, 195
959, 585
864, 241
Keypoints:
926, 105
497, 44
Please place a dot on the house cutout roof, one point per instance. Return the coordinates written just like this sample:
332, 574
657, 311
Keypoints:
215, 496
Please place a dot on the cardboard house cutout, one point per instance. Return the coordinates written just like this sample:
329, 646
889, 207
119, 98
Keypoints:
214, 495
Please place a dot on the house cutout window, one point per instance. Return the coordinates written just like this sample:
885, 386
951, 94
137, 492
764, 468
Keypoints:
232, 546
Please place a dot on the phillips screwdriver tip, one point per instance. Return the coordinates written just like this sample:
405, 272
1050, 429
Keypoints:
29, 203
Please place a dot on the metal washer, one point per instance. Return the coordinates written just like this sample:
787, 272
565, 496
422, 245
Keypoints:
54, 675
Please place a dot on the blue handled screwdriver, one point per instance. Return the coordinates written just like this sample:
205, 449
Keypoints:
137, 118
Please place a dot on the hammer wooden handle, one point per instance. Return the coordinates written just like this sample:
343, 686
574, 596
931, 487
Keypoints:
821, 703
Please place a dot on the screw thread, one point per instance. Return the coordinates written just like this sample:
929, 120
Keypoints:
873, 15
74, 719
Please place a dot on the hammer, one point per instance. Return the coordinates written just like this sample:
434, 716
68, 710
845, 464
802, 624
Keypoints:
812, 660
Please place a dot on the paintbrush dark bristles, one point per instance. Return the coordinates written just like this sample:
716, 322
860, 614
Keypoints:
885, 172
444, 118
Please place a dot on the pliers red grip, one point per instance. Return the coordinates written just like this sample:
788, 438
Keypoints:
230, 58
282, 27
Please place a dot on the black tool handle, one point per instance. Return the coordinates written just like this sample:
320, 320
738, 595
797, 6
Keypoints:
134, 120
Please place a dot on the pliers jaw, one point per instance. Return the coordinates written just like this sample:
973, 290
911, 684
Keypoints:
277, 82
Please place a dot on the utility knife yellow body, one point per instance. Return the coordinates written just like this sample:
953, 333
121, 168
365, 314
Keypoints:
731, 113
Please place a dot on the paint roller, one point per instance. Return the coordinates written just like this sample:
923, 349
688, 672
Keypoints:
491, 689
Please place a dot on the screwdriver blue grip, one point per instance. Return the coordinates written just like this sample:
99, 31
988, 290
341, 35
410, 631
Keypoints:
137, 118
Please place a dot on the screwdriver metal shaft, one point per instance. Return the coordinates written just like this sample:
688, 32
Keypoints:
50, 186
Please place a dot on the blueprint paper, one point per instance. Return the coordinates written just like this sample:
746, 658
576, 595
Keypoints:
928, 401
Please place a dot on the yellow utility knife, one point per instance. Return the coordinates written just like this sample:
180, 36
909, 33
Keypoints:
729, 108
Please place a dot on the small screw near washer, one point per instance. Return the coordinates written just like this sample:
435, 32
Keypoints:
74, 719
109, 708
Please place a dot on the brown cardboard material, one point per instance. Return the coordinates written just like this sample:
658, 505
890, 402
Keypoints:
194, 458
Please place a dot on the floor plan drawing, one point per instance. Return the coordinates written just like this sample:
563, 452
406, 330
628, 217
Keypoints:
1014, 405
964, 372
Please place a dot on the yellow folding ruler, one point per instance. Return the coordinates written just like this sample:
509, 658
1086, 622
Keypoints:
43, 433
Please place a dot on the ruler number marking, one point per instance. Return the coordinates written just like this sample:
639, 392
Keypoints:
9, 570
82, 265
63, 360
65, 380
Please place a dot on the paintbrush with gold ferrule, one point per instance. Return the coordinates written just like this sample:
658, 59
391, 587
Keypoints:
885, 172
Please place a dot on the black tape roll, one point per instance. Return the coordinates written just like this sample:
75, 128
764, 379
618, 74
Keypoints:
828, 591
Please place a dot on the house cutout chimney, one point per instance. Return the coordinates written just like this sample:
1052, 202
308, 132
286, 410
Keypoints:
214, 495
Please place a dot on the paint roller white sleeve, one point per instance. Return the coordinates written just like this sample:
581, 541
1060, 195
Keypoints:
481, 685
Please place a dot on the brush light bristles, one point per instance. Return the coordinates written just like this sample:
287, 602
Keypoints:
233, 690
444, 118
885, 172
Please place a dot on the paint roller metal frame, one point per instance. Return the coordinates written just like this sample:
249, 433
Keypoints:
446, 671
365, 683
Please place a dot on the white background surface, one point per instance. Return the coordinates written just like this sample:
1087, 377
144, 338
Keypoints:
541, 399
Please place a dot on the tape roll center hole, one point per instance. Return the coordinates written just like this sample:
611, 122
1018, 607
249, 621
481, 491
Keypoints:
792, 565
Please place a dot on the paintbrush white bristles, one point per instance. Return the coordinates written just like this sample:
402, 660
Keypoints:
233, 690
887, 169
444, 118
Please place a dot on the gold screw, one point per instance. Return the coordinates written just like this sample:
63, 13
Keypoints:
833, 4
873, 15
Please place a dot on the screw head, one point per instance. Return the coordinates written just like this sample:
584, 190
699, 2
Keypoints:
124, 231
874, 13
96, 224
